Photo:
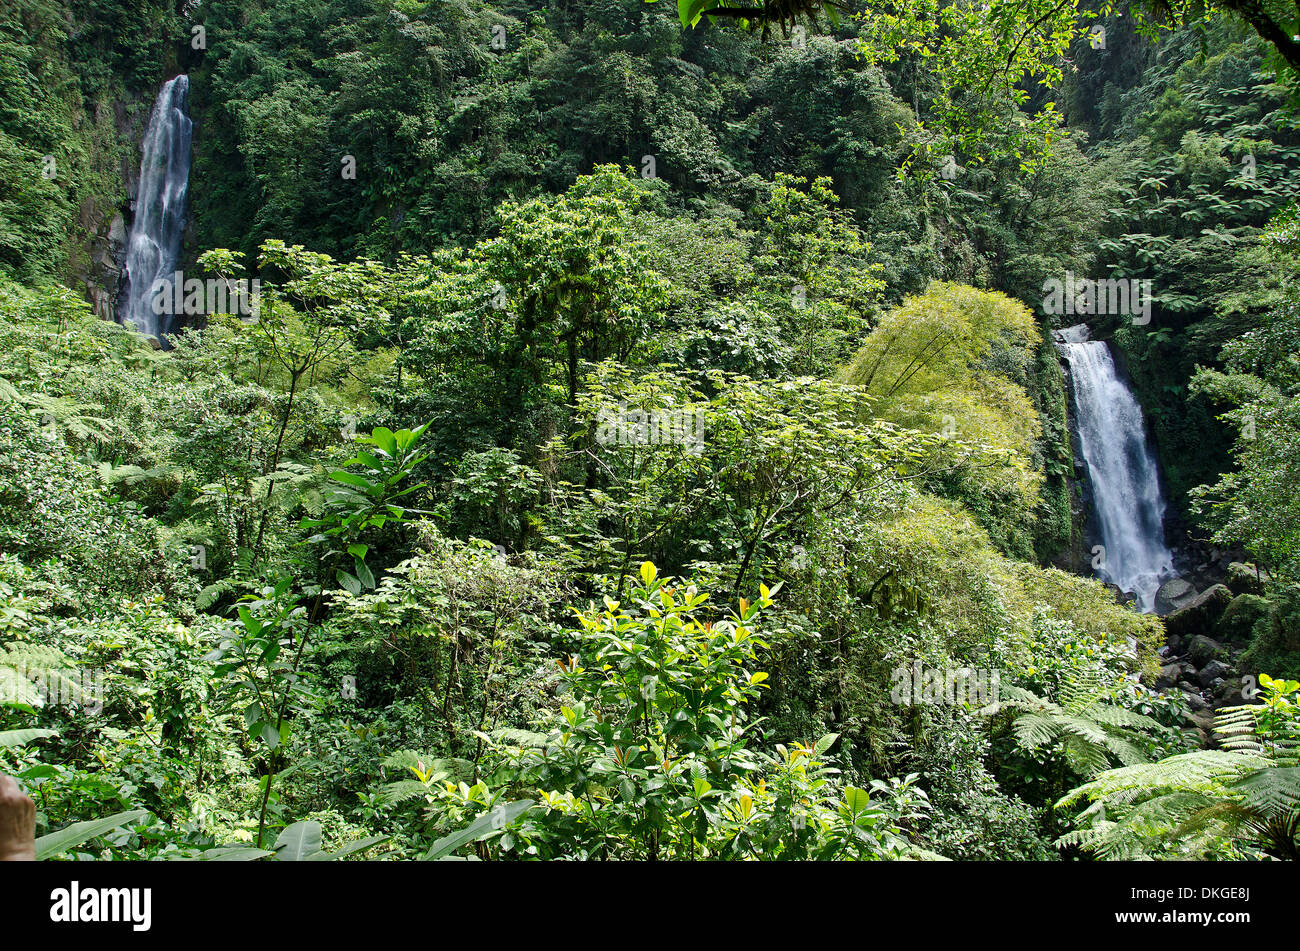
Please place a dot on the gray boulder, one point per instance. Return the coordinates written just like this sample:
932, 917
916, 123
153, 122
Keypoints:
1173, 594
1214, 670
1200, 613
1228, 693
1202, 650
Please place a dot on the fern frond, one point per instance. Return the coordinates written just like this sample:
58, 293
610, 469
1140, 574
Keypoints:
1034, 730
1199, 771
1085, 755
1272, 792
1130, 754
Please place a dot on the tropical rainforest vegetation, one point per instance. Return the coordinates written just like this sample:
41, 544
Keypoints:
650, 443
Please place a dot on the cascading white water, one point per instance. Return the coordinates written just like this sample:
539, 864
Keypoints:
154, 247
1121, 468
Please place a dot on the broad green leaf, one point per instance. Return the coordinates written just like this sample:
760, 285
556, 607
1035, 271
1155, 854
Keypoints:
14, 738
351, 478
80, 832
825, 743
364, 573
385, 440
485, 825
858, 800
298, 841
358, 846
232, 853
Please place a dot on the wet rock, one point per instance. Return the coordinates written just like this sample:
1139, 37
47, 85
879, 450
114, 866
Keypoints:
1204, 720
1173, 594
1199, 614
1228, 694
1202, 650
1214, 670
1243, 578
1169, 675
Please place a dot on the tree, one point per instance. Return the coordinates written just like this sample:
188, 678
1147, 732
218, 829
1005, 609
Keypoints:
572, 279
1258, 504
304, 324
993, 63
940, 363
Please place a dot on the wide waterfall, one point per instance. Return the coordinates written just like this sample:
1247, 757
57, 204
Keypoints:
1121, 468
154, 246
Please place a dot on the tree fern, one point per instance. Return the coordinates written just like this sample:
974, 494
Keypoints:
1090, 729
1226, 801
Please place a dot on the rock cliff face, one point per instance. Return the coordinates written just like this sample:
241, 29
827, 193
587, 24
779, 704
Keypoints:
114, 127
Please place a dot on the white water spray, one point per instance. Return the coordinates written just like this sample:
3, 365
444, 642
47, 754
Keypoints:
154, 246
1121, 468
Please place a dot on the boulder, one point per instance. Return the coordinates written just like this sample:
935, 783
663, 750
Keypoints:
1240, 616
1214, 670
1169, 675
1204, 720
1202, 650
1198, 614
1243, 578
1173, 594
1228, 693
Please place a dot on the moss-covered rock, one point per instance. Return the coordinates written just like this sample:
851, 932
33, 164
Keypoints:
1275, 642
1199, 615
1203, 649
1240, 617
1245, 579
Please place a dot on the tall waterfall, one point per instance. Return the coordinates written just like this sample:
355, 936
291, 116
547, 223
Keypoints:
154, 247
1121, 468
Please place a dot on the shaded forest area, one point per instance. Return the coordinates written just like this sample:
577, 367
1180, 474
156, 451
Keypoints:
650, 442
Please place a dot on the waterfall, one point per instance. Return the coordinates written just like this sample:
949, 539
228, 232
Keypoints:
1121, 469
154, 246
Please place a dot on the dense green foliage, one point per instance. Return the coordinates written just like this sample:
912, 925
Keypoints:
650, 452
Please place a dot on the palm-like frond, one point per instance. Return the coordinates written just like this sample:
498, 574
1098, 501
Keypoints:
1211, 800
1090, 727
